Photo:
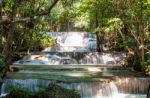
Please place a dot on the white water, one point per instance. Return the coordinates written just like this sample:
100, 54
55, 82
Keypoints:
121, 96
73, 41
92, 58
86, 90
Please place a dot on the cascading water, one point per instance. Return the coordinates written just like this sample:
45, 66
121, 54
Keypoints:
87, 90
92, 81
84, 58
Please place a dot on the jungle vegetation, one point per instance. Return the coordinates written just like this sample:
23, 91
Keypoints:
123, 24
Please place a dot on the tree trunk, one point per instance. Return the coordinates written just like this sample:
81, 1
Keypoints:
7, 51
139, 42
97, 33
1, 31
1, 27
140, 29
142, 47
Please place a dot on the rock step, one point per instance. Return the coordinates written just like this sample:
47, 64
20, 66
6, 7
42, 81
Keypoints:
58, 78
69, 76
67, 67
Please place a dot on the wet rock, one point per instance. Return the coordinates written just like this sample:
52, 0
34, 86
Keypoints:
19, 93
52, 91
55, 91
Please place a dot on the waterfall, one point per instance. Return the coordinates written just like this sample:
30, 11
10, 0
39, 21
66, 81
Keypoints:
85, 89
119, 88
84, 58
92, 74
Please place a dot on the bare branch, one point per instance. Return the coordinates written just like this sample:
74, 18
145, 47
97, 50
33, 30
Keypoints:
139, 41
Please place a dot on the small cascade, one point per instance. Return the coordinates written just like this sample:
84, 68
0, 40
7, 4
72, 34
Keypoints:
85, 89
133, 85
119, 88
92, 74
86, 58
73, 42
30, 84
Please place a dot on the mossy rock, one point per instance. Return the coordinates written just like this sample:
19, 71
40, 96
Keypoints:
52, 91
55, 91
19, 93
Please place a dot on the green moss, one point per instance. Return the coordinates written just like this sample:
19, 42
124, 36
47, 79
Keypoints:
52, 91
55, 91
16, 92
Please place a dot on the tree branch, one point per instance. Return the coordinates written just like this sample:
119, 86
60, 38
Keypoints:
8, 21
49, 9
139, 41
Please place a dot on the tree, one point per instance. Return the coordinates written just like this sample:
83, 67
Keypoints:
20, 20
124, 24
17, 14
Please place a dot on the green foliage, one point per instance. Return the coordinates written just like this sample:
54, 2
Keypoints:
105, 17
41, 88
8, 7
82, 21
127, 41
26, 9
33, 41
113, 24
147, 59
60, 92
16, 92
27, 35
147, 62
52, 91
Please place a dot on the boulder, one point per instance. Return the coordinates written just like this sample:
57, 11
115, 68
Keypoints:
55, 91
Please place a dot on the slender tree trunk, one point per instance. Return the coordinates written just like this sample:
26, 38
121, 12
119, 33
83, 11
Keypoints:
97, 33
1, 32
141, 34
142, 47
137, 55
139, 40
7, 51
1, 27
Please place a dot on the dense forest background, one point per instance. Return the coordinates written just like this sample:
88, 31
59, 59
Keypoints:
124, 25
